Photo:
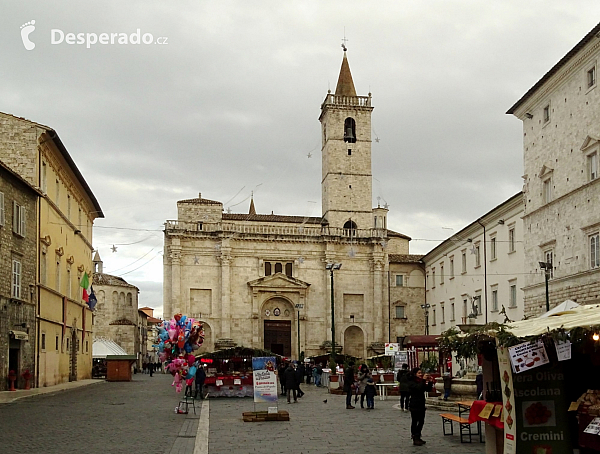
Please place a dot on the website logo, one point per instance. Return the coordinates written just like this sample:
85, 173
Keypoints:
26, 30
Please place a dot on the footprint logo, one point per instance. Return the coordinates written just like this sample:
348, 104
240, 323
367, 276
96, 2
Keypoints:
26, 29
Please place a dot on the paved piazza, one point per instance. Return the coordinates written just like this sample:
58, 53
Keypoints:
139, 417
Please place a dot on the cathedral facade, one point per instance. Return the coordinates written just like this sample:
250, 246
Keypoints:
265, 280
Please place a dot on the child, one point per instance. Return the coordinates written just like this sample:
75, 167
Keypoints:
370, 394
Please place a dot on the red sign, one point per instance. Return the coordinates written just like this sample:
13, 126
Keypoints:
206, 360
510, 436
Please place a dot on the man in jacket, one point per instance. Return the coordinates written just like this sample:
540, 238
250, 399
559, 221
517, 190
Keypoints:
290, 382
348, 382
418, 384
402, 378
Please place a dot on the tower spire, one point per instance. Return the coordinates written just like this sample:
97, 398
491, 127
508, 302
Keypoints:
252, 209
345, 84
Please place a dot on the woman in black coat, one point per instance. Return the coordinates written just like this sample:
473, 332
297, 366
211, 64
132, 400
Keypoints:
418, 384
348, 382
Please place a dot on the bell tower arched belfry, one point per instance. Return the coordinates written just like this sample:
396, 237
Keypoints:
346, 185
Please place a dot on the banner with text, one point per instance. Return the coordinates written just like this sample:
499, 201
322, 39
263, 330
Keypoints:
264, 379
541, 411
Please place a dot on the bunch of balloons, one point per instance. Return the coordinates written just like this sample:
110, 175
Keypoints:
177, 339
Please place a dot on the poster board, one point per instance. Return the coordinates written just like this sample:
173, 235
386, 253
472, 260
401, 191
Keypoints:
400, 358
535, 407
528, 355
264, 379
391, 348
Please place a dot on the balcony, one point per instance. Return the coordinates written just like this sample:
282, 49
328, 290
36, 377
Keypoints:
354, 101
200, 228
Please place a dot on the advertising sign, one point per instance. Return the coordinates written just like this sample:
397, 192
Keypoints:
264, 379
563, 350
508, 400
528, 355
535, 408
541, 411
391, 348
400, 358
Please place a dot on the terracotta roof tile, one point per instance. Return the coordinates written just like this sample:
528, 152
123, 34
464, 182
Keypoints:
107, 279
405, 258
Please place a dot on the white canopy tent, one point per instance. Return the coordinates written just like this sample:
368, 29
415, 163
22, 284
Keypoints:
101, 348
580, 316
562, 308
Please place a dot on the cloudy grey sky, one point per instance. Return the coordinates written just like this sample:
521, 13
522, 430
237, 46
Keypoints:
230, 104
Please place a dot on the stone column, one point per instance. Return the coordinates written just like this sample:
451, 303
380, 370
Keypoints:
225, 295
379, 309
176, 305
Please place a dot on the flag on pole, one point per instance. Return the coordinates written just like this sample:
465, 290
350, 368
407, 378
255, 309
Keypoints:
86, 285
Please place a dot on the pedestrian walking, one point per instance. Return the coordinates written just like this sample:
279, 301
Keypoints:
370, 394
317, 372
348, 384
151, 368
364, 375
200, 378
418, 384
290, 383
402, 378
309, 372
281, 373
447, 385
299, 379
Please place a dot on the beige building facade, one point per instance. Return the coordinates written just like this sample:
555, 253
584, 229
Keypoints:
561, 147
476, 276
64, 216
261, 281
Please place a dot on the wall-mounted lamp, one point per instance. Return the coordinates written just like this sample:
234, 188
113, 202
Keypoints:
528, 115
501, 222
77, 231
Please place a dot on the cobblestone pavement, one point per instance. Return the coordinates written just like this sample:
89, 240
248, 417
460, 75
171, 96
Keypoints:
328, 428
117, 417
139, 417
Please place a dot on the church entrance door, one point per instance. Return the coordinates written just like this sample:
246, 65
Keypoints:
278, 337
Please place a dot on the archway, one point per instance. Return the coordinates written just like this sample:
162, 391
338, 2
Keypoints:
278, 327
208, 345
354, 342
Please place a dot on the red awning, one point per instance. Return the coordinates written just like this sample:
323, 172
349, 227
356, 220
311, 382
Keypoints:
421, 341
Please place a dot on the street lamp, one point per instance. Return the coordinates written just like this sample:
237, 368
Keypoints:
331, 267
426, 307
547, 267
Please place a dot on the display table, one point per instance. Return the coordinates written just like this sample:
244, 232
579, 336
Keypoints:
229, 386
383, 387
476, 408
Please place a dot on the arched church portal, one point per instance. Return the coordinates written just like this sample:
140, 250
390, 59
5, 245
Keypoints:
278, 315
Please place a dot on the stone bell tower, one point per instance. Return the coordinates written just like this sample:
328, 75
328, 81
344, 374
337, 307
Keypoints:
346, 185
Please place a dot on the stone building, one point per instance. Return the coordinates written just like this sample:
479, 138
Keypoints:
64, 216
561, 146
476, 276
260, 280
18, 266
116, 314
151, 333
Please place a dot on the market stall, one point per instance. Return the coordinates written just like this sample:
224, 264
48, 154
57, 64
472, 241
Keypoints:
545, 373
229, 371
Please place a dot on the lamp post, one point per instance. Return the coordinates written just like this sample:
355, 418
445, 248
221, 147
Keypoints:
426, 307
331, 267
547, 267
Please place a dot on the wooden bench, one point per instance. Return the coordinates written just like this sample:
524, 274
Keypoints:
463, 424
